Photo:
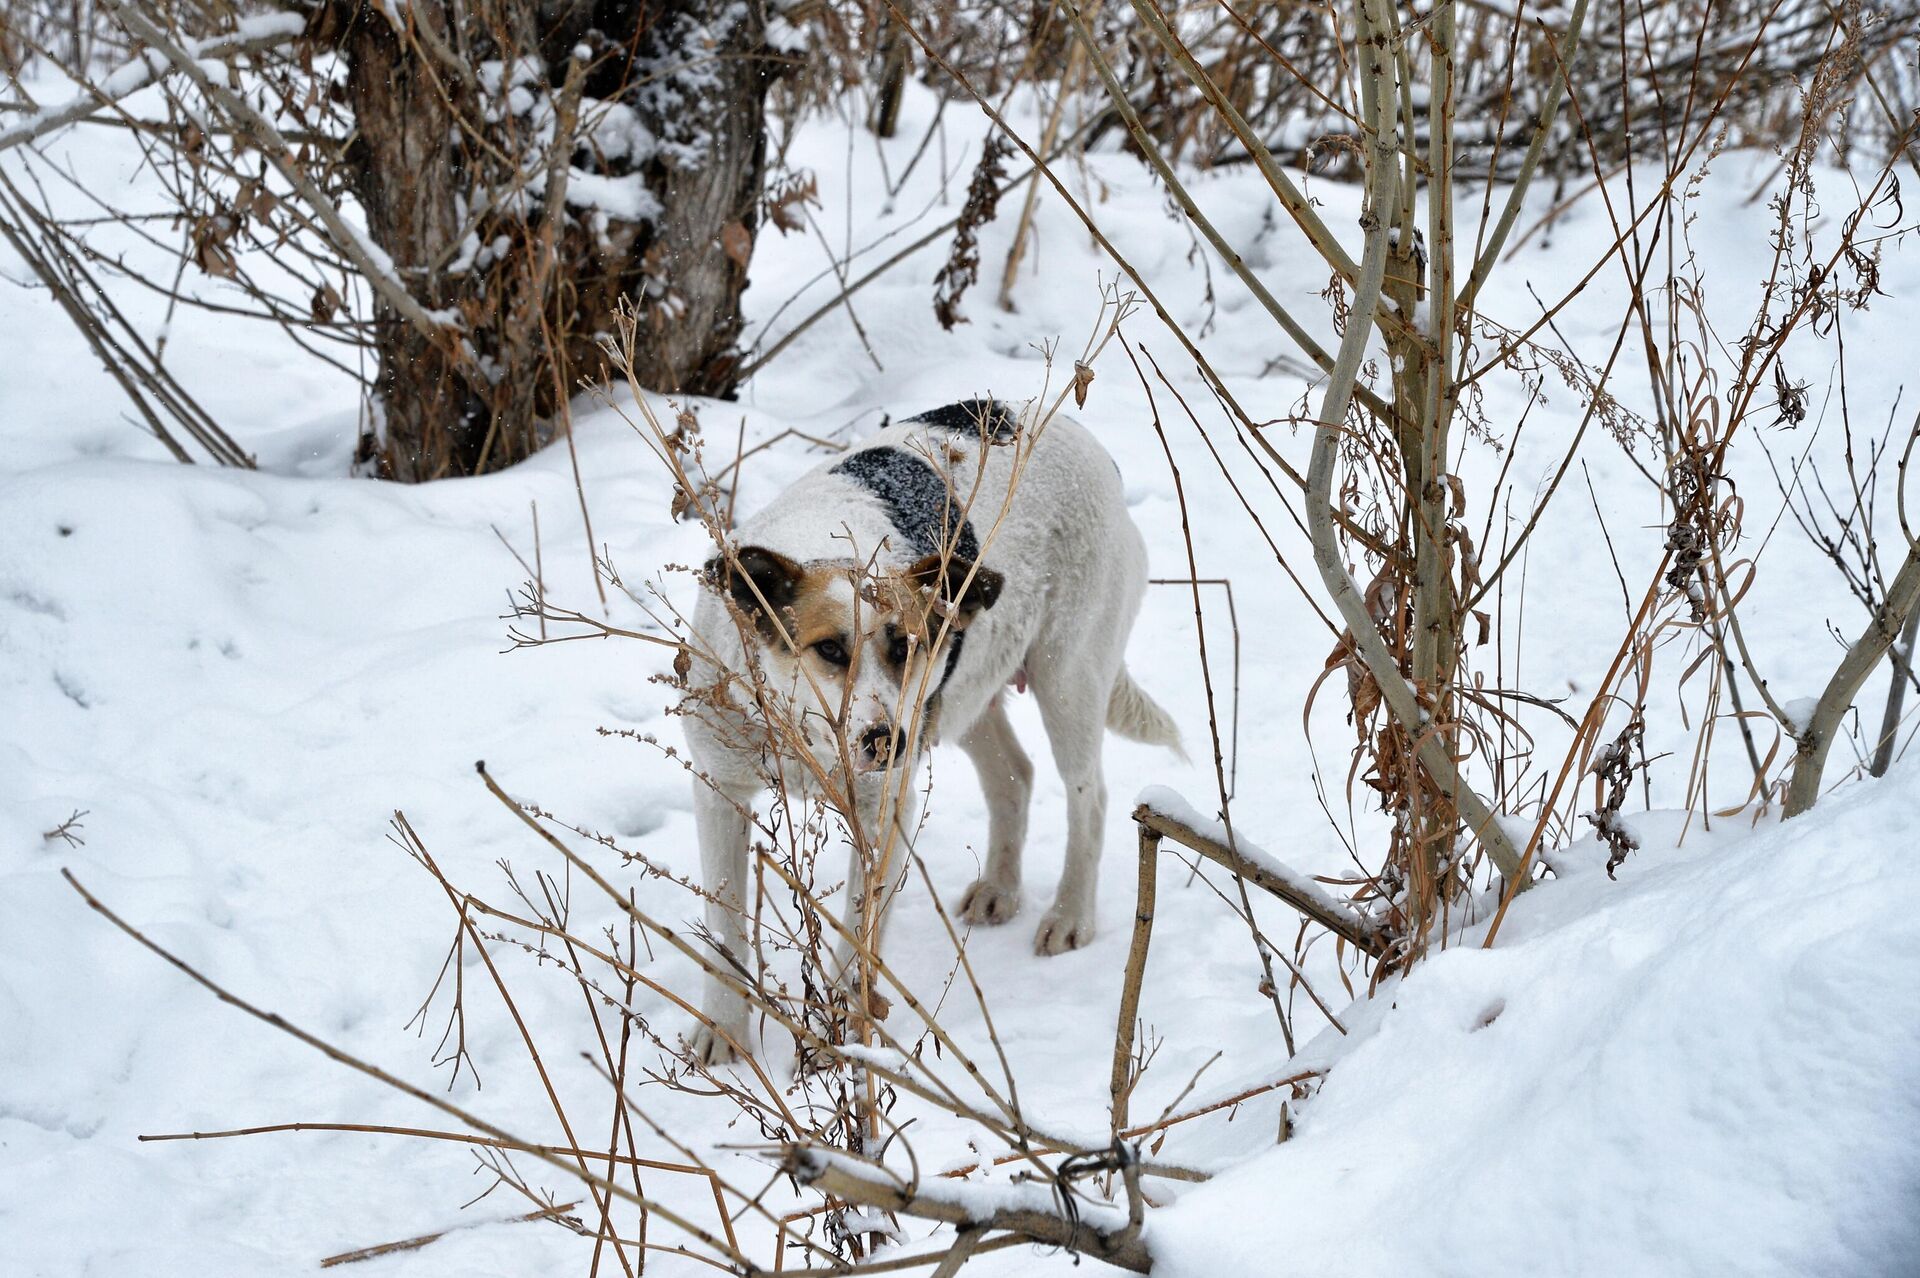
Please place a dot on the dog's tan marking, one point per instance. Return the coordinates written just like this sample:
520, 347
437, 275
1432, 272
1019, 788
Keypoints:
817, 614
821, 609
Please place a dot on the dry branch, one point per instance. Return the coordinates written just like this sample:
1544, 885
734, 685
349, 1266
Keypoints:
1529, 165
327, 1049
119, 345
1290, 196
277, 152
359, 1254
268, 32
1383, 151
1815, 737
1120, 1085
1363, 934
873, 1186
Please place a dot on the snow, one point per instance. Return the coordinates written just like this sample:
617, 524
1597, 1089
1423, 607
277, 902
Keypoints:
1800, 711
260, 26
626, 198
616, 131
1706, 1067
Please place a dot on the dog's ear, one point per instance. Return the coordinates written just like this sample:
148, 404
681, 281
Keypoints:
772, 575
947, 579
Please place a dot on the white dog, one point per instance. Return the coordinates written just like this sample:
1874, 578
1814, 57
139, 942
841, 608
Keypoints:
891, 594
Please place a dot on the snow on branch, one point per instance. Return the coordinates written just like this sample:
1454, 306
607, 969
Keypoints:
1050, 1214
1168, 815
262, 31
368, 258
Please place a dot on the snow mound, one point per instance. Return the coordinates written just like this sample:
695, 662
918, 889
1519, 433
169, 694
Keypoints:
1706, 1068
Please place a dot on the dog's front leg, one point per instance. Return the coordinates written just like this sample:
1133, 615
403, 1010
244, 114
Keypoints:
1006, 779
721, 820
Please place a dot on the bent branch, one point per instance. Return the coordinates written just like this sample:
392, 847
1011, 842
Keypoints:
1382, 171
1814, 738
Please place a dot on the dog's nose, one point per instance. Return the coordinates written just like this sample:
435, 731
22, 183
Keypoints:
880, 742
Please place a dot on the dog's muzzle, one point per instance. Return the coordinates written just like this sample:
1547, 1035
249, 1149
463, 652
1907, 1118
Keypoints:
878, 746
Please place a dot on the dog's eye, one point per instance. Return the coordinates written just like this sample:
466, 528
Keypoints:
831, 651
897, 650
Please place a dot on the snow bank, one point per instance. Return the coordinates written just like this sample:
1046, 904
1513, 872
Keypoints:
1707, 1068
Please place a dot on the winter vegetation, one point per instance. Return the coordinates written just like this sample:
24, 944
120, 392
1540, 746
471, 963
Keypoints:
1516, 407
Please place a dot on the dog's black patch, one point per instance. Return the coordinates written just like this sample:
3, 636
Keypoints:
987, 419
922, 508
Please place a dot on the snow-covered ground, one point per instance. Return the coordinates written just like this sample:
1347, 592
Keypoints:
1706, 1067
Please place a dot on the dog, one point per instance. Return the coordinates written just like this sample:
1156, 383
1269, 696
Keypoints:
889, 596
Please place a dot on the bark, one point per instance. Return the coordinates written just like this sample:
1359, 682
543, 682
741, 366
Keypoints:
893, 80
405, 171
1432, 650
1813, 739
466, 195
1896, 694
693, 268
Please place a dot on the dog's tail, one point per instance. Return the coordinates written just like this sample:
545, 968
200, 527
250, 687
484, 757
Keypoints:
1137, 717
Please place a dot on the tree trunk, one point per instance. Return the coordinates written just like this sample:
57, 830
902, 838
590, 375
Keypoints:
406, 170
692, 267
893, 59
500, 215
1896, 693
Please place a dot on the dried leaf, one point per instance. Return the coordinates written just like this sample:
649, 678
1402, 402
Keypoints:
1366, 698
737, 241
963, 259
325, 305
1082, 378
210, 252
788, 197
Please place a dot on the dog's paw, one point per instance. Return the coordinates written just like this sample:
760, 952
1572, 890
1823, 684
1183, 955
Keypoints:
990, 903
1063, 929
707, 1046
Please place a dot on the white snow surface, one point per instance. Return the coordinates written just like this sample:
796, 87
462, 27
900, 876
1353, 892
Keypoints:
1710, 1066
1707, 1068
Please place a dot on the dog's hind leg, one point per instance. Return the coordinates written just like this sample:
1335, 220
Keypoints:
722, 823
1006, 779
1073, 704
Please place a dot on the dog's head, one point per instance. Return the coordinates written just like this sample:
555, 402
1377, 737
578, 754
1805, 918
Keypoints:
862, 653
